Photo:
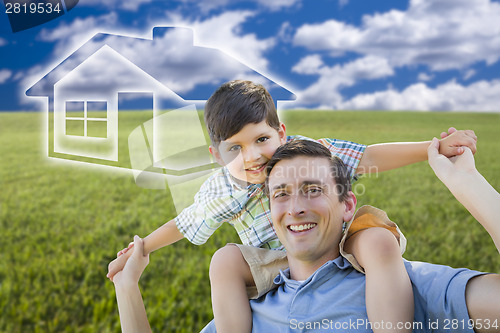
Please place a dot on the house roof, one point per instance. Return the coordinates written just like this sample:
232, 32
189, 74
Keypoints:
186, 69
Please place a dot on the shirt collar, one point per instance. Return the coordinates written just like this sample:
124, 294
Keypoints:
339, 263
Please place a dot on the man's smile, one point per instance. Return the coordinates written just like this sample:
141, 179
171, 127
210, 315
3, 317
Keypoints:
301, 227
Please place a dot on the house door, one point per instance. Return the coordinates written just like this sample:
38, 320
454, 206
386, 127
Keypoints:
134, 109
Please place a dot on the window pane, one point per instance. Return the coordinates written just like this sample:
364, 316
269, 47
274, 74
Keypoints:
97, 129
74, 127
74, 109
97, 109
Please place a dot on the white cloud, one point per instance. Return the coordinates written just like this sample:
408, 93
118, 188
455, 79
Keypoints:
285, 34
274, 5
326, 90
69, 37
71, 34
224, 33
5, 74
331, 36
309, 65
425, 77
446, 34
479, 96
468, 74
131, 5
343, 3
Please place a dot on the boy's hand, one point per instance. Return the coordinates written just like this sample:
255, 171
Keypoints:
134, 267
117, 265
450, 131
130, 245
453, 142
450, 169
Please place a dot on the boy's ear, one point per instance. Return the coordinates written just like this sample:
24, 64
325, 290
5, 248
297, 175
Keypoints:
215, 153
282, 133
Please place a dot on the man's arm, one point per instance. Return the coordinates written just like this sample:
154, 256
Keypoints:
163, 236
387, 156
461, 177
133, 317
463, 180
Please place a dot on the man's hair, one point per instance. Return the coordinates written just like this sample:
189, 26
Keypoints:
236, 104
309, 148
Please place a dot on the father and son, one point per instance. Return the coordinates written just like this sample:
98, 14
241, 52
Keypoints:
309, 261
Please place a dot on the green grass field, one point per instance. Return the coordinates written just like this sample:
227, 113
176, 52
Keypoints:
61, 222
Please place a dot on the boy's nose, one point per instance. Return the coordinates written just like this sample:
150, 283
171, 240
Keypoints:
251, 154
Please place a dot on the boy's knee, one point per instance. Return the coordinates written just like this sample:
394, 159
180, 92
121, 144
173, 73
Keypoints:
380, 243
225, 262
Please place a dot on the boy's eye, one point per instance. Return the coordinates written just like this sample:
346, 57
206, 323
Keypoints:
234, 148
262, 139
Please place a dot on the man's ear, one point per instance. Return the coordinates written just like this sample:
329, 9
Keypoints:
349, 206
215, 153
282, 133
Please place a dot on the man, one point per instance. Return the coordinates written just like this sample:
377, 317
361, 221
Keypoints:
310, 201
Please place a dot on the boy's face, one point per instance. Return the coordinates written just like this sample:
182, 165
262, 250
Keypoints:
246, 153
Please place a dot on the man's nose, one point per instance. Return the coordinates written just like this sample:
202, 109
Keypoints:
297, 205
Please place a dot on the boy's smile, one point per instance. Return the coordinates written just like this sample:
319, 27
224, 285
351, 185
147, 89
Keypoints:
247, 152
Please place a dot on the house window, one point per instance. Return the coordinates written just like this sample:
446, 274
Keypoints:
87, 118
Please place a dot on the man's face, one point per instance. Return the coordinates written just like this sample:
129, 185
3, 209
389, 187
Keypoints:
246, 153
305, 208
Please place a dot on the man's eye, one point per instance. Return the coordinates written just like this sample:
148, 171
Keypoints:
279, 195
313, 190
262, 139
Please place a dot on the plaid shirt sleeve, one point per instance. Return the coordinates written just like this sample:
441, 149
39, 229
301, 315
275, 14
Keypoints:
215, 203
349, 152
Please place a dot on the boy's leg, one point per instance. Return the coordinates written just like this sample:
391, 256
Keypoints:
230, 276
389, 294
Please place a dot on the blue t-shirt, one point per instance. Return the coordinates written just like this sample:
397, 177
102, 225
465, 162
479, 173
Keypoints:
333, 300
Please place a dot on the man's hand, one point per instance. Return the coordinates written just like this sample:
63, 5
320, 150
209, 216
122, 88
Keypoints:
449, 168
134, 266
117, 265
453, 142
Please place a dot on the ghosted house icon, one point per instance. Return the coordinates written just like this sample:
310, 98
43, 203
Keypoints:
167, 76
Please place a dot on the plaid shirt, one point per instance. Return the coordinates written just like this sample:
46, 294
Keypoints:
221, 199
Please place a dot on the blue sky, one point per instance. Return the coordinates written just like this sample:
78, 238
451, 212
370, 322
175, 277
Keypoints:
332, 54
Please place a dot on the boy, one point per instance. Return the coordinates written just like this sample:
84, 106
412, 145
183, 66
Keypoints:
245, 132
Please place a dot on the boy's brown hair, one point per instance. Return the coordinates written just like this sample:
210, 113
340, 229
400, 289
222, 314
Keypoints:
236, 104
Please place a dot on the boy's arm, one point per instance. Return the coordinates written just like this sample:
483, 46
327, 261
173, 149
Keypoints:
165, 235
387, 156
